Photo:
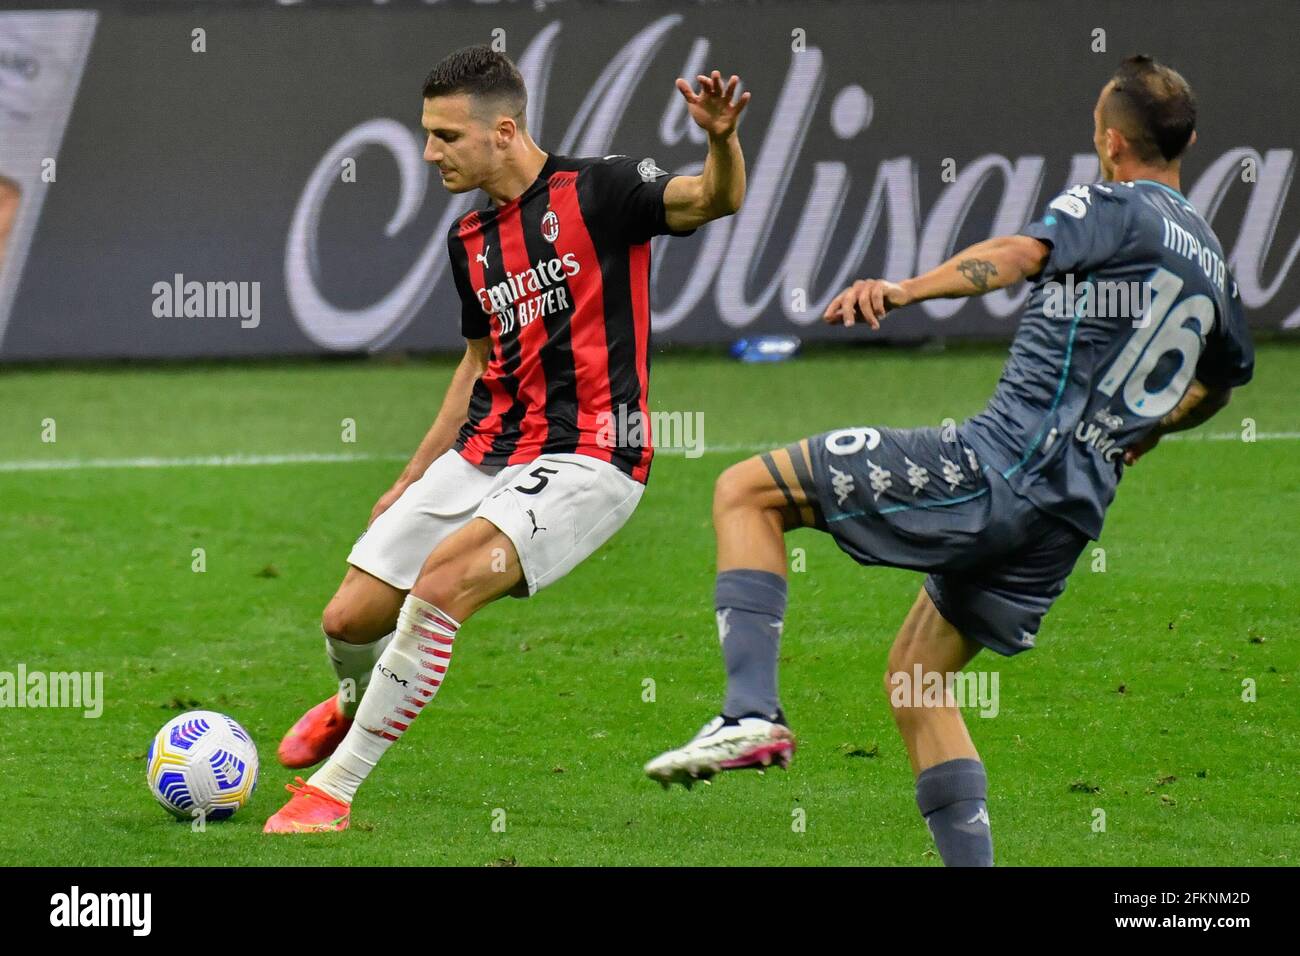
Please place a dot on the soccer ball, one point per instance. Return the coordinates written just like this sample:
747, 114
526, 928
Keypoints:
202, 764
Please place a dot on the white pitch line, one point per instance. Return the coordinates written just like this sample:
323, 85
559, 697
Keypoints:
199, 461
325, 458
1230, 436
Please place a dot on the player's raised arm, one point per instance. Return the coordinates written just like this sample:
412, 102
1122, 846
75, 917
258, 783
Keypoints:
451, 416
692, 201
988, 265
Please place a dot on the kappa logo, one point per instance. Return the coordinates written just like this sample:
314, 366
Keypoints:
841, 484
1108, 420
981, 816
550, 226
1073, 202
917, 476
881, 479
951, 472
648, 171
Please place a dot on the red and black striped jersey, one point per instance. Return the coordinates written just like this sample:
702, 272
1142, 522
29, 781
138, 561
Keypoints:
560, 279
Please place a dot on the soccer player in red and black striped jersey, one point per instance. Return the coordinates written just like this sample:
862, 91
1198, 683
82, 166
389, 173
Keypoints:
541, 450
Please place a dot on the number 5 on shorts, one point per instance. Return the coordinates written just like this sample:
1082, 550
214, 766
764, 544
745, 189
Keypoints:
542, 474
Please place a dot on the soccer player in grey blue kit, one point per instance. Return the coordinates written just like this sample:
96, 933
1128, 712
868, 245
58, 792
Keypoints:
996, 510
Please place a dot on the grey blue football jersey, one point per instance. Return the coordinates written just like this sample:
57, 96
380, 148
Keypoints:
1134, 301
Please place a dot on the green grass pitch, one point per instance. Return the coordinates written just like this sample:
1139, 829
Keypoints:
1132, 704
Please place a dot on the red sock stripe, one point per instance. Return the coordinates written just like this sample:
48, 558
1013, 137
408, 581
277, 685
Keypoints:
395, 725
386, 735
408, 714
431, 635
439, 620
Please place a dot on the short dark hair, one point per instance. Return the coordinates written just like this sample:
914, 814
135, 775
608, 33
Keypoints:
1153, 106
483, 73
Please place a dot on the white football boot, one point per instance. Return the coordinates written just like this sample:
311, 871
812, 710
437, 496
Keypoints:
726, 743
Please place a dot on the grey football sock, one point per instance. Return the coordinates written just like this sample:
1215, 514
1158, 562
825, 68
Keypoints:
952, 796
751, 608
353, 664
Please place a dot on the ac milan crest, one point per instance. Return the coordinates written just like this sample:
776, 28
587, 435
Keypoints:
550, 226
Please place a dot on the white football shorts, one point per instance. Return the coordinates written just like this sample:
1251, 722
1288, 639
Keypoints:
556, 510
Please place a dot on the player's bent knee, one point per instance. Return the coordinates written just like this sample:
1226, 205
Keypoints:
894, 679
334, 621
726, 490
362, 610
737, 488
902, 704
342, 622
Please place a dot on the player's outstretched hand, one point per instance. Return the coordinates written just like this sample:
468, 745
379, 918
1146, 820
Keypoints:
712, 108
868, 299
1138, 449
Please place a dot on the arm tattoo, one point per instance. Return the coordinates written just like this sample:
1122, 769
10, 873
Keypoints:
978, 272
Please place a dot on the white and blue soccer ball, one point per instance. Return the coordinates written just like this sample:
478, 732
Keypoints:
202, 764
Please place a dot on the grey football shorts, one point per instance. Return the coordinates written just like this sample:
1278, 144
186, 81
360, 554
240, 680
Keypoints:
920, 499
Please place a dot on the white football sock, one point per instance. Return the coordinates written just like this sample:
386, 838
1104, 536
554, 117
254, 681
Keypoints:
353, 664
408, 675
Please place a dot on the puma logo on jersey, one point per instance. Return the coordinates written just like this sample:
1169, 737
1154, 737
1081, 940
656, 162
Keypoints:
482, 256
